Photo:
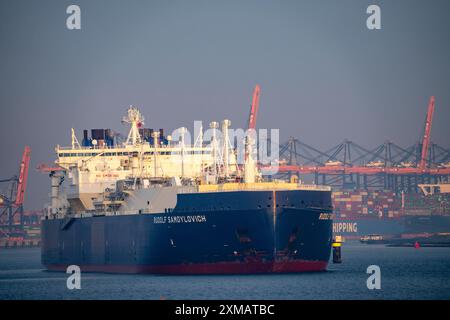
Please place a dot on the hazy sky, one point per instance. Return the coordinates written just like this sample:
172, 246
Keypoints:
324, 76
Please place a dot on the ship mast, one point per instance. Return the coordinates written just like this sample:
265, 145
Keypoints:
75, 142
183, 131
136, 120
155, 150
214, 125
226, 147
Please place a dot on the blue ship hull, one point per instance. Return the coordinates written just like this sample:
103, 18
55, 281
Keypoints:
206, 233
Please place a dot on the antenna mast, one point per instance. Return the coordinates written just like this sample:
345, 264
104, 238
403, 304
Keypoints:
135, 119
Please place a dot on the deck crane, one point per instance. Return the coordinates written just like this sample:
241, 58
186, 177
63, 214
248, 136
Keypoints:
57, 174
11, 204
427, 133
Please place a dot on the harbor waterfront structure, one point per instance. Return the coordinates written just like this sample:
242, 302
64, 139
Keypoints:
386, 190
151, 205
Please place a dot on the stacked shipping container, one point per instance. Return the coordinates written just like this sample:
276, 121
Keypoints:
419, 204
364, 203
387, 204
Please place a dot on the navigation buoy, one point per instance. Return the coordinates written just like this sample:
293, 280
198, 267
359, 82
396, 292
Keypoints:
417, 245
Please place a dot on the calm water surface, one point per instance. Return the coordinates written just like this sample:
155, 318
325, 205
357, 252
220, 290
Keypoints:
406, 273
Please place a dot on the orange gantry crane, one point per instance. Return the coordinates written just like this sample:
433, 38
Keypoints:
254, 108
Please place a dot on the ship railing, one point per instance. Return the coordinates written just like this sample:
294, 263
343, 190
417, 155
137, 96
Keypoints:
260, 186
131, 147
314, 187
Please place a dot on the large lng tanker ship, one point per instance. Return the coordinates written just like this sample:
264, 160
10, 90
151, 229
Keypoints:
152, 205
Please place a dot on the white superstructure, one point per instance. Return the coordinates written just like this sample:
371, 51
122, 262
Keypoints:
90, 171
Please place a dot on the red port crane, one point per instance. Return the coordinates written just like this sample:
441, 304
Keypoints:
427, 133
254, 108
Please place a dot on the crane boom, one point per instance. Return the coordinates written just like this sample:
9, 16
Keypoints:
427, 132
23, 176
46, 168
254, 108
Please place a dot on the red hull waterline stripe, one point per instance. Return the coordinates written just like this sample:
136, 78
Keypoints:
206, 268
